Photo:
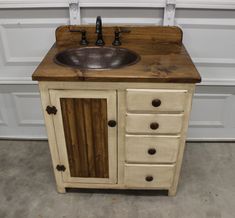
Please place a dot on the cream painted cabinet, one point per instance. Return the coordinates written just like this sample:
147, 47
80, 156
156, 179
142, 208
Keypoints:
116, 135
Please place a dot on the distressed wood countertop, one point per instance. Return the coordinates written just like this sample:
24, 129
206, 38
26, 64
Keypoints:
163, 56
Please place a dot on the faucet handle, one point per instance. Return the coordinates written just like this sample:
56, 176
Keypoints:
117, 35
83, 40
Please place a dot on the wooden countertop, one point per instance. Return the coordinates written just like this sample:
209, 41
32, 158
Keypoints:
163, 57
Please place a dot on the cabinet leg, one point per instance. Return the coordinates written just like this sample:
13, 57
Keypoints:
172, 192
61, 190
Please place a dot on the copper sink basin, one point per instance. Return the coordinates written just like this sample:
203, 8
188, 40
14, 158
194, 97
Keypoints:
97, 58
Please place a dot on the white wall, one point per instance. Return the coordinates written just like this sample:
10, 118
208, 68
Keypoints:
211, 4
27, 34
209, 37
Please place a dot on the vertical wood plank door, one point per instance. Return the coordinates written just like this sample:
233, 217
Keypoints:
86, 144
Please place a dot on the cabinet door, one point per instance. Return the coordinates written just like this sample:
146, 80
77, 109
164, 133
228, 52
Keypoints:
86, 143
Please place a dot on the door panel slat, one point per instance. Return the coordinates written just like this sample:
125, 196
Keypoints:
85, 128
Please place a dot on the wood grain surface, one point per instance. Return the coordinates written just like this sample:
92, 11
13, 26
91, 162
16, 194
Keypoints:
163, 58
86, 136
67, 35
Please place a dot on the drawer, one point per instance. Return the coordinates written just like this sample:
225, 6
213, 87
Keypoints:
154, 123
155, 100
151, 149
152, 176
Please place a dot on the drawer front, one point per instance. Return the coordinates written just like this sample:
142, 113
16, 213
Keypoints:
156, 100
151, 149
149, 176
154, 123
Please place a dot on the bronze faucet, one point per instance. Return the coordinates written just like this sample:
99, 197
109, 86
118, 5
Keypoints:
99, 41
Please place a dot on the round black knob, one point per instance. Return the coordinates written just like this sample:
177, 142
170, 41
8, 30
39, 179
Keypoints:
112, 123
156, 102
154, 126
152, 151
149, 178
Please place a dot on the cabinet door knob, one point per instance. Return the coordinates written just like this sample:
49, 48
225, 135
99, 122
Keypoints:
156, 102
149, 178
152, 151
112, 123
154, 126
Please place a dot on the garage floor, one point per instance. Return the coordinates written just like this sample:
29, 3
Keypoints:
27, 187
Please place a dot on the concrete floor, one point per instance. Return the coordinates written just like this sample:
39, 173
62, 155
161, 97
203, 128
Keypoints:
27, 187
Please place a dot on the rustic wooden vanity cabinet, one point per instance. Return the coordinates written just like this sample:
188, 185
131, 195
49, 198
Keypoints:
120, 129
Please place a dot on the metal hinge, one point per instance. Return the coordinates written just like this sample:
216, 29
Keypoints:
60, 168
51, 110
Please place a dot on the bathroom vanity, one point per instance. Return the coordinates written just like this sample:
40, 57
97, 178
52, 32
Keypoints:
111, 126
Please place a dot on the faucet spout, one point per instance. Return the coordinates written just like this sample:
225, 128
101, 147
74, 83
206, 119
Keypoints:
99, 41
98, 24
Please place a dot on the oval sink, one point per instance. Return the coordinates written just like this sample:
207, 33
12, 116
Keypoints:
97, 58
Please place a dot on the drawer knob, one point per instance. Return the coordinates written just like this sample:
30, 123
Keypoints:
152, 151
112, 123
154, 126
149, 178
156, 102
